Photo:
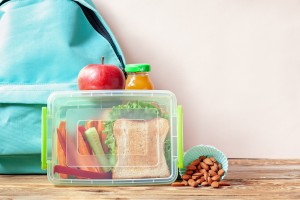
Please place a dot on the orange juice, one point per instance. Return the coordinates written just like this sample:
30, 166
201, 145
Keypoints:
138, 77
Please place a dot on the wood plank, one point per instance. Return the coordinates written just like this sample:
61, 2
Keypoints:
250, 179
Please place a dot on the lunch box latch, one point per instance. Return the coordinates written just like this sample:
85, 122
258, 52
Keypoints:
180, 136
44, 139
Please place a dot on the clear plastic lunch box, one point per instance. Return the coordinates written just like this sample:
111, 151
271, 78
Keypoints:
112, 137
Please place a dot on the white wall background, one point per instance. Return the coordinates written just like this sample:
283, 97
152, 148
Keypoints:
233, 64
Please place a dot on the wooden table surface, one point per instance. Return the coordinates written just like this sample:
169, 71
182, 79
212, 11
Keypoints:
250, 179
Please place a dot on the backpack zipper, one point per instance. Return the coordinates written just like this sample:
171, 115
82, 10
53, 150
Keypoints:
99, 27
3, 2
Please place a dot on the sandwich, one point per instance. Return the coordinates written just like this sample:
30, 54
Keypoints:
137, 140
139, 148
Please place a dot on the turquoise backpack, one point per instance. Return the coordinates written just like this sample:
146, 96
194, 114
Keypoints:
43, 46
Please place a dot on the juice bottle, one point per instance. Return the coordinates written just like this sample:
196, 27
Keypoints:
138, 77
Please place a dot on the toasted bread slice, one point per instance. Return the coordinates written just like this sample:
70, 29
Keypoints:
140, 148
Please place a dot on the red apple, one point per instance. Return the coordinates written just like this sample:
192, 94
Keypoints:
101, 77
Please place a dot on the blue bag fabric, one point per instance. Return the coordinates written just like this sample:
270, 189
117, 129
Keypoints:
43, 46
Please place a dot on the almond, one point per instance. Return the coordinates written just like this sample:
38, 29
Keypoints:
220, 166
185, 182
215, 184
208, 161
192, 183
199, 181
214, 168
198, 174
202, 179
201, 158
204, 183
216, 165
204, 166
195, 177
203, 171
221, 172
213, 159
177, 184
186, 177
209, 180
206, 176
223, 183
191, 167
215, 178
195, 162
212, 173
199, 167
189, 172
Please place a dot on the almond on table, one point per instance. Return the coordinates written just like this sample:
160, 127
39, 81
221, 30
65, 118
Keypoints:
221, 172
215, 184
178, 184
205, 184
185, 182
192, 183
204, 171
223, 183
216, 178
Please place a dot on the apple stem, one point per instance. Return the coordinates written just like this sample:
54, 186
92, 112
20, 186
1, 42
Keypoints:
102, 60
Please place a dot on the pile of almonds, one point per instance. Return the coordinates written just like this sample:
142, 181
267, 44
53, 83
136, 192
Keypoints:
205, 171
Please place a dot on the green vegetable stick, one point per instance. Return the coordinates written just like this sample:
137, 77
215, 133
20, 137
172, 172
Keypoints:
93, 139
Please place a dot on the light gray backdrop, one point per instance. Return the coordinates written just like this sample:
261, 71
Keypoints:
234, 66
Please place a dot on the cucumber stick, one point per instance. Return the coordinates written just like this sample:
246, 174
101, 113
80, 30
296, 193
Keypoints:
93, 139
